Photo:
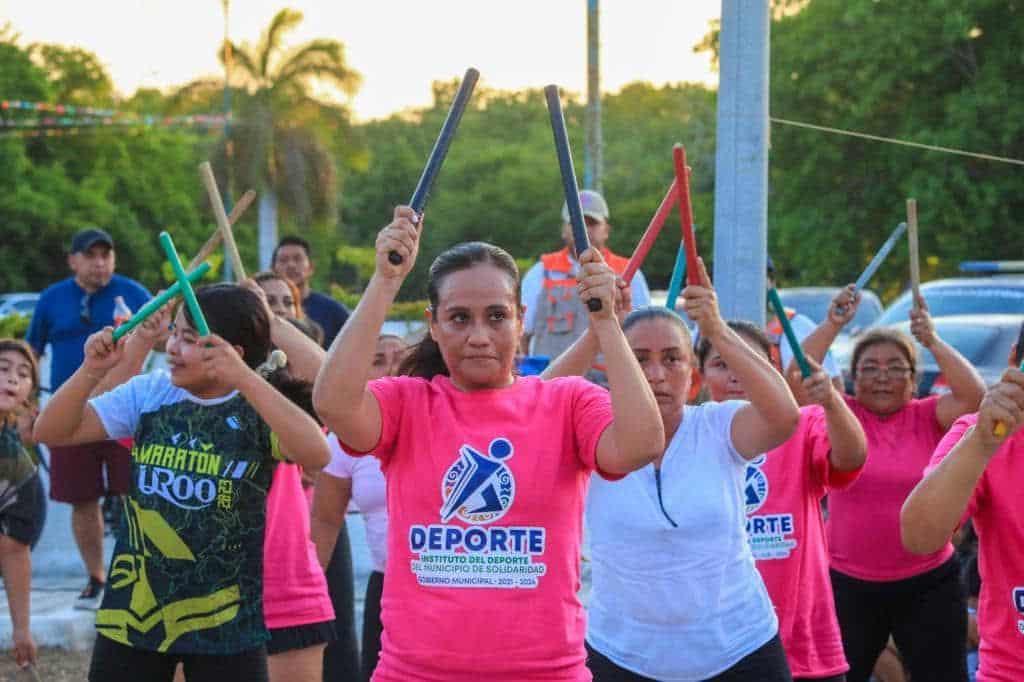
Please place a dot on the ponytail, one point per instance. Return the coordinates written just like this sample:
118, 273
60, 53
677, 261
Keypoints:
424, 360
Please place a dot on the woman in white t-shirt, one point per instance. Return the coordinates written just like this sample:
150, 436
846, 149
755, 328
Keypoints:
675, 592
359, 479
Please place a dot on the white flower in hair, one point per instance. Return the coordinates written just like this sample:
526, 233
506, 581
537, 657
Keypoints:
275, 361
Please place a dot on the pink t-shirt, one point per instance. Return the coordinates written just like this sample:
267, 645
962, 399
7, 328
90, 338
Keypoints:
787, 535
485, 495
997, 510
294, 586
863, 525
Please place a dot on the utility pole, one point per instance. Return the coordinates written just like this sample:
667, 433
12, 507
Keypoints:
229, 147
741, 160
593, 162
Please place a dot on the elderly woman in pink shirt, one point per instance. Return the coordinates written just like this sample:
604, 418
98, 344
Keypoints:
880, 588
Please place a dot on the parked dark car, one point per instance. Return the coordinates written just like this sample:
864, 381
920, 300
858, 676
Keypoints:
985, 340
961, 296
814, 302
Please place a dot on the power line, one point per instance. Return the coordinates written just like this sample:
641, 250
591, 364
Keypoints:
892, 140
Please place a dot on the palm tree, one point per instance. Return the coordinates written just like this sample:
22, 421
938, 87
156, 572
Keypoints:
282, 135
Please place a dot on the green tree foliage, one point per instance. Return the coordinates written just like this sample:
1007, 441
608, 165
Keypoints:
500, 181
936, 72
285, 140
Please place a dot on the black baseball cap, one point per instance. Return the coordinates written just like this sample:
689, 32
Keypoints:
89, 237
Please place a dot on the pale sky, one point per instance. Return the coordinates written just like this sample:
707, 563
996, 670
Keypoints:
399, 46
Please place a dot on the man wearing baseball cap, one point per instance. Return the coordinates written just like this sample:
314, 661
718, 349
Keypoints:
555, 317
67, 313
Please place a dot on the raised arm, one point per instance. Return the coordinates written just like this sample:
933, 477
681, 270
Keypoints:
842, 309
772, 414
298, 434
137, 347
305, 356
67, 418
965, 384
340, 395
935, 507
849, 446
581, 355
636, 435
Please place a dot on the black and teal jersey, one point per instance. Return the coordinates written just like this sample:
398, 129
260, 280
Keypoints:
187, 571
16, 465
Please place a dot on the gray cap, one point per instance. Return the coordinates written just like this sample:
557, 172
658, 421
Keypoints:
593, 205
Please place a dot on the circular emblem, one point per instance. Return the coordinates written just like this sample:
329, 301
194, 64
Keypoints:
479, 488
755, 486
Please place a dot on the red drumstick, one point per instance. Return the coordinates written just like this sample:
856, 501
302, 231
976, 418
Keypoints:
686, 214
643, 247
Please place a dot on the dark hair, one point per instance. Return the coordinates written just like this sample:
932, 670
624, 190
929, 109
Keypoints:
424, 358
657, 312
748, 330
877, 337
290, 240
19, 346
237, 315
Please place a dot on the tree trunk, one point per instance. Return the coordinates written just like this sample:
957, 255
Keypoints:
267, 226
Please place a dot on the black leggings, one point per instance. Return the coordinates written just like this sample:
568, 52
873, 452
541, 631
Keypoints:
926, 616
114, 662
341, 657
766, 664
372, 627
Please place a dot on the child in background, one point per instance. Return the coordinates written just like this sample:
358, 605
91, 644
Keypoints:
186, 577
20, 525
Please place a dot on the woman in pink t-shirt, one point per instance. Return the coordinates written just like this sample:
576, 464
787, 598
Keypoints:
976, 473
486, 472
784, 489
882, 590
297, 608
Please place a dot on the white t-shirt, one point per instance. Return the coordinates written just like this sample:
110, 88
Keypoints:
683, 601
802, 328
533, 282
367, 493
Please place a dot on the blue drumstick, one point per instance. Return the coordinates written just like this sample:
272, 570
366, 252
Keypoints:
440, 150
580, 238
676, 283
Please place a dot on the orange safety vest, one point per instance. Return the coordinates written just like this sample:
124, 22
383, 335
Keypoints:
559, 262
559, 310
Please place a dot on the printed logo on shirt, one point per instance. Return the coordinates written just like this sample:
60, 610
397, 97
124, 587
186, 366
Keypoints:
755, 486
477, 489
770, 535
189, 478
1018, 603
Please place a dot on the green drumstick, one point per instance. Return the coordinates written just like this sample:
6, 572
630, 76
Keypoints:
787, 329
186, 286
158, 302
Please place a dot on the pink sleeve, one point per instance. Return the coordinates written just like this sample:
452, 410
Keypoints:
591, 415
391, 394
927, 413
948, 442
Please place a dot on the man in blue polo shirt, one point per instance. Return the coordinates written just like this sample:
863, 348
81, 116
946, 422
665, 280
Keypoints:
292, 261
67, 313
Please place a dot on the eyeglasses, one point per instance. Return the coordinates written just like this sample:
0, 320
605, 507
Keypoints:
83, 309
872, 372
